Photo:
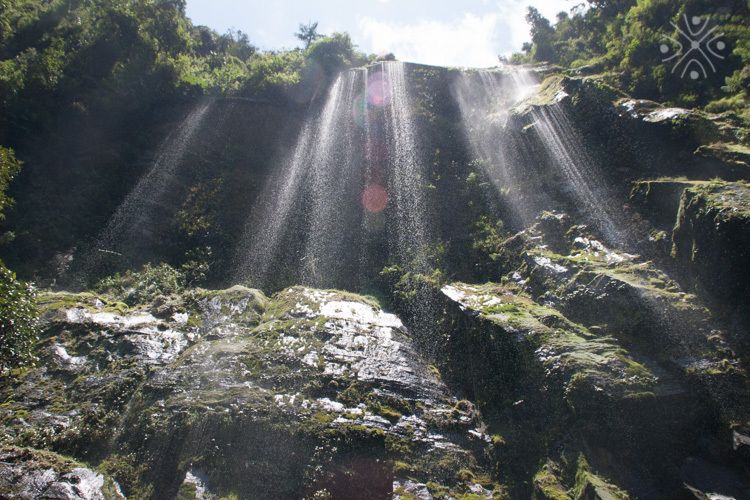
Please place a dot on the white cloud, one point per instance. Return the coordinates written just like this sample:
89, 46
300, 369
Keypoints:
470, 41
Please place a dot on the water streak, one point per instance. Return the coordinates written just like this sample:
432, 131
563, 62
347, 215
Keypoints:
136, 217
335, 163
271, 214
407, 180
312, 192
485, 99
568, 152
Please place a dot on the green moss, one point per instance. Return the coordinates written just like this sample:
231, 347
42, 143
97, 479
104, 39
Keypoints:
590, 485
498, 440
465, 475
187, 491
54, 301
123, 469
324, 418
548, 486
501, 309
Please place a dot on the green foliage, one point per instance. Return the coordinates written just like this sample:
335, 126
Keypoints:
308, 33
623, 37
335, 52
407, 286
18, 321
18, 312
9, 167
88, 91
197, 266
274, 69
542, 35
140, 287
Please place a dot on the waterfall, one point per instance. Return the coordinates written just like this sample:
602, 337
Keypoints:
566, 149
314, 190
135, 218
271, 214
353, 181
485, 99
335, 170
407, 182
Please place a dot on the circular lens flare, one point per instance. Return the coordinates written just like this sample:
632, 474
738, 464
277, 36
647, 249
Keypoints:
375, 198
377, 91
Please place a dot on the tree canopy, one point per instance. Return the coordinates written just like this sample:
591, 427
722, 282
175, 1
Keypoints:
308, 33
623, 38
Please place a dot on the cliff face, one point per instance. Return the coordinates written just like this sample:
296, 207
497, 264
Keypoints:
576, 328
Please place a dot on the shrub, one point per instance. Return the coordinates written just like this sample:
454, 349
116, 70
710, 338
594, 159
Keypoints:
18, 321
139, 287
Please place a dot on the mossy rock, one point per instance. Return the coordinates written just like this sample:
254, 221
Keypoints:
30, 473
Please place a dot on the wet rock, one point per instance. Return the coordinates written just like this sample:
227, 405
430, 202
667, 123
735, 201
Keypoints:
325, 377
707, 480
31, 474
712, 240
634, 137
589, 373
638, 303
659, 200
231, 392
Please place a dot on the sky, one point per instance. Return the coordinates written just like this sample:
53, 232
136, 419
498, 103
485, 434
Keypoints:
446, 33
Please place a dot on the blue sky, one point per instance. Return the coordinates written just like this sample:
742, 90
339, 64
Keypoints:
456, 33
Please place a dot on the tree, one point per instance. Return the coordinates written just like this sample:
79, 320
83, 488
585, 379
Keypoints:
542, 36
308, 33
335, 52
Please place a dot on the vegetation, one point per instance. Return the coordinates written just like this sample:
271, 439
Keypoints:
139, 287
88, 90
18, 321
623, 38
18, 314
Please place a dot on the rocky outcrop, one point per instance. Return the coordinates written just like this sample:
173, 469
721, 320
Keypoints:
228, 392
711, 239
528, 365
608, 344
631, 299
27, 474
636, 138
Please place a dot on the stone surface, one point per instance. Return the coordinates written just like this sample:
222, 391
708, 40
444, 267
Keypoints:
232, 392
31, 474
712, 239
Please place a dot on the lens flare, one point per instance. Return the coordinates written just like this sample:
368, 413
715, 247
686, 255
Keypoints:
377, 92
375, 198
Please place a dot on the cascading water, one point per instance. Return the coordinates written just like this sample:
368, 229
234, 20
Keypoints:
567, 151
336, 172
353, 182
143, 206
485, 98
312, 190
272, 213
407, 180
